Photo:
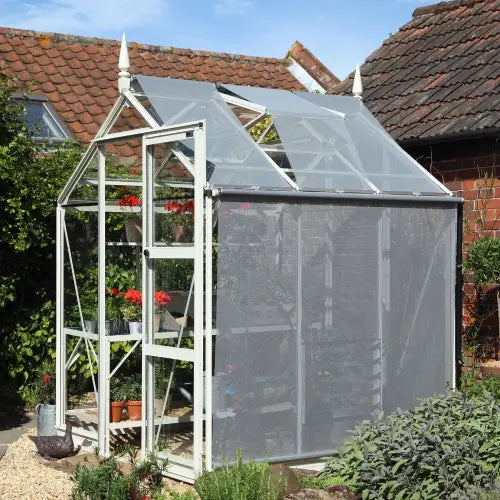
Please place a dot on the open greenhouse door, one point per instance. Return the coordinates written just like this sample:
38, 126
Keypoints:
174, 158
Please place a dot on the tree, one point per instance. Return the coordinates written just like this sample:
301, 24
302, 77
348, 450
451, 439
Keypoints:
31, 177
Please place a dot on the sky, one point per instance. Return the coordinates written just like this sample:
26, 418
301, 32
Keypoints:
339, 32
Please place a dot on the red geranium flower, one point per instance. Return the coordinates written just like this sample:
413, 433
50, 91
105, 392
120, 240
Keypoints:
245, 206
46, 378
130, 201
162, 298
133, 296
114, 292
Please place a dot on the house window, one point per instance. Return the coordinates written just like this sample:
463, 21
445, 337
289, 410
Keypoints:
41, 119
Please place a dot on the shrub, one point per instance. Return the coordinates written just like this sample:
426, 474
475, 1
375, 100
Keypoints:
440, 449
322, 482
242, 481
477, 388
107, 482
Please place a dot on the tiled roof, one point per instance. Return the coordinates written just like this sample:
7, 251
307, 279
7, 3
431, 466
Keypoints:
313, 65
79, 75
439, 75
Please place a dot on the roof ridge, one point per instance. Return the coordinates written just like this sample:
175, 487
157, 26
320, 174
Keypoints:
444, 6
84, 40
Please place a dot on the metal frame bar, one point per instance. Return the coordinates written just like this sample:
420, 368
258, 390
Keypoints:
103, 362
60, 335
199, 244
458, 298
368, 197
208, 329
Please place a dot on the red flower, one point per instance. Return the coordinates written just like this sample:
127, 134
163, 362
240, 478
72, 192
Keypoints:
180, 208
162, 298
172, 206
133, 296
245, 206
114, 292
46, 378
130, 201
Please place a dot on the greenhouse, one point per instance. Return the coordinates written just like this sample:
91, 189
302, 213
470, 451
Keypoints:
251, 269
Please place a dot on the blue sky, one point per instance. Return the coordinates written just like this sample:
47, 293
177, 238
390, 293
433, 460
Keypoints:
339, 32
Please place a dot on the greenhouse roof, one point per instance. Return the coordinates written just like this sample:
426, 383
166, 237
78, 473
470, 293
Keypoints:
310, 142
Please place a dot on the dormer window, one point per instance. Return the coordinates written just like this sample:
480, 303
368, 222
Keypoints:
41, 119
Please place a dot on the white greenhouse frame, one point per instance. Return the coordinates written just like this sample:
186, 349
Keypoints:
201, 254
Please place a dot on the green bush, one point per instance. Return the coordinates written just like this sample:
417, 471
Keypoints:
440, 449
107, 482
477, 388
321, 482
242, 481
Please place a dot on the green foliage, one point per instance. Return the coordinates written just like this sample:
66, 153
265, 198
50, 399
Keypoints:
483, 261
30, 181
185, 495
480, 388
259, 128
30, 345
107, 482
242, 481
322, 482
132, 387
440, 449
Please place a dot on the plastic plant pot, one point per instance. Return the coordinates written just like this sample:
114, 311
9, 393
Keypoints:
117, 410
134, 410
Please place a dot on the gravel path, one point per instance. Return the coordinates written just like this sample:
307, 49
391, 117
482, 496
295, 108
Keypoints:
24, 476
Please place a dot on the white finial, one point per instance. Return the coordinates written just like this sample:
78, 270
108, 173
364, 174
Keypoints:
357, 86
124, 66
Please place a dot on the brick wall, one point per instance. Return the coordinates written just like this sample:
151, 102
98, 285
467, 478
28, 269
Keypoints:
471, 169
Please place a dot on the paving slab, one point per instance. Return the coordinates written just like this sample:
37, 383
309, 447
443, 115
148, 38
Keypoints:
13, 423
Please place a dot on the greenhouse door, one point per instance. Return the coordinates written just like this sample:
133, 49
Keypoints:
173, 169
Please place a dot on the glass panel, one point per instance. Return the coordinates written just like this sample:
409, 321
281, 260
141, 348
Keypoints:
40, 121
233, 159
173, 403
173, 305
382, 160
384, 163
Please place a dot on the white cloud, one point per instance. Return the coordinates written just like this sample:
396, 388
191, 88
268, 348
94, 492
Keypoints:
232, 7
77, 16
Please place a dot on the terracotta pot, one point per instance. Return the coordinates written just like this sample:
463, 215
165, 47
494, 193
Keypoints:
133, 229
157, 322
134, 410
117, 410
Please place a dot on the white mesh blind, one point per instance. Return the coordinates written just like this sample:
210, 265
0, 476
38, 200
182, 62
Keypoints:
326, 313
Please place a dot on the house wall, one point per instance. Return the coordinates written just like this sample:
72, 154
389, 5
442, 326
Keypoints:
471, 169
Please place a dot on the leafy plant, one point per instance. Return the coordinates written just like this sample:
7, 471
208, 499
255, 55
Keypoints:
322, 482
132, 387
242, 481
474, 388
440, 449
107, 482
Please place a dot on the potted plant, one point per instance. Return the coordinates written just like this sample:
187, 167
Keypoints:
184, 214
131, 310
133, 224
46, 407
161, 300
118, 400
133, 390
114, 322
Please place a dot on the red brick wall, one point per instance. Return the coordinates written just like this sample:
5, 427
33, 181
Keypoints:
471, 169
